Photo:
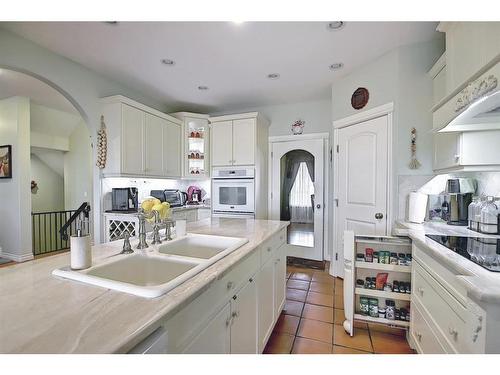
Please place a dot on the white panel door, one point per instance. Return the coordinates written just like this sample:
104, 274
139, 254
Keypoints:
132, 140
172, 139
266, 302
244, 337
215, 337
244, 142
222, 143
153, 145
362, 180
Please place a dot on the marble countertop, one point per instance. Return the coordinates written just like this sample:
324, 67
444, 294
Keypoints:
40, 313
481, 284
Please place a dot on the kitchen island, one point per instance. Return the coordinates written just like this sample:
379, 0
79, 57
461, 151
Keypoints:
40, 313
455, 302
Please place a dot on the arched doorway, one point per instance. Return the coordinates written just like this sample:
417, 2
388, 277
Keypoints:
52, 164
297, 184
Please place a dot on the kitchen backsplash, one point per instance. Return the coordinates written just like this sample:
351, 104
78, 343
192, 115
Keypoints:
488, 183
145, 185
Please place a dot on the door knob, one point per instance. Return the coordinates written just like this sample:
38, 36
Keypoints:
379, 215
318, 206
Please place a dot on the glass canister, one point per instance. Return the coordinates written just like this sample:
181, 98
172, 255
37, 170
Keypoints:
489, 216
473, 224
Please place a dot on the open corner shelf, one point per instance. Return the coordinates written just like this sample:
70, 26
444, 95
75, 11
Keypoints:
383, 267
382, 294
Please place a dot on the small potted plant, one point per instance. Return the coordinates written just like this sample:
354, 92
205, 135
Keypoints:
298, 127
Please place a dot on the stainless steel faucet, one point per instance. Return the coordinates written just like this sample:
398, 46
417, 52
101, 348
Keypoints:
142, 215
168, 229
156, 229
127, 249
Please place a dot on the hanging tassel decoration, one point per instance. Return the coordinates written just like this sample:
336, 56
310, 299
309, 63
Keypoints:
102, 145
414, 163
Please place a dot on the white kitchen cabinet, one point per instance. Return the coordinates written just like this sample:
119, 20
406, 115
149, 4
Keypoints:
355, 269
266, 302
438, 75
141, 140
279, 276
238, 139
215, 338
132, 146
244, 317
171, 149
153, 144
470, 47
222, 144
444, 319
244, 141
467, 151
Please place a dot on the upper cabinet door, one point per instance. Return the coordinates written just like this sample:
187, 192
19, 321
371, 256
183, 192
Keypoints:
153, 145
132, 140
446, 150
172, 139
222, 143
244, 142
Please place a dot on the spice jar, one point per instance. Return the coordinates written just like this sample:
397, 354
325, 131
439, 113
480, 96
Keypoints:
393, 259
368, 282
369, 254
363, 306
408, 259
388, 287
373, 283
360, 257
375, 257
389, 309
373, 307
381, 312
401, 259
397, 314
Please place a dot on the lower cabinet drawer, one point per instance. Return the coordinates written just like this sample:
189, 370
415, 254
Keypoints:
422, 335
272, 244
446, 312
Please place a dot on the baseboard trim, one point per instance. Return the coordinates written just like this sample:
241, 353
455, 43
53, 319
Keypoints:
16, 257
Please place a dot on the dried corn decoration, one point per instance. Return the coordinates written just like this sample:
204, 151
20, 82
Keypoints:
414, 163
102, 145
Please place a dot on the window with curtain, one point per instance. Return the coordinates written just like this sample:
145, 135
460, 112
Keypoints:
301, 210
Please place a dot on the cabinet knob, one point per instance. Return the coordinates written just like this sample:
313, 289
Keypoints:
379, 215
230, 285
269, 249
250, 279
420, 290
235, 297
453, 332
419, 336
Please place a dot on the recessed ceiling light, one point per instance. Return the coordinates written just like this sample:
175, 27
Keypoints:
337, 66
202, 88
336, 25
167, 62
273, 76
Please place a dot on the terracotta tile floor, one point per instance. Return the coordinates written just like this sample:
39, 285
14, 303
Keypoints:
311, 322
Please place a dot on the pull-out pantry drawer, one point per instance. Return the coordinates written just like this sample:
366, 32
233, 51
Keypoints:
422, 334
444, 310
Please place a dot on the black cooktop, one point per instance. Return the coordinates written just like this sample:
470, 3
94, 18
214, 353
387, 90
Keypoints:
482, 251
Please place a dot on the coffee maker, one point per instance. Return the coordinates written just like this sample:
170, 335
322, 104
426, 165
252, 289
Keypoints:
460, 192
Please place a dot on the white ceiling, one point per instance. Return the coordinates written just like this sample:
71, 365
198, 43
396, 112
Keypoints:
19, 84
232, 59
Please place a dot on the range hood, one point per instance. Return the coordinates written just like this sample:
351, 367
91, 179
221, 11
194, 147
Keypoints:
475, 108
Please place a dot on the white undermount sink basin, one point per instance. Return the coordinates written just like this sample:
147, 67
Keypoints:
158, 269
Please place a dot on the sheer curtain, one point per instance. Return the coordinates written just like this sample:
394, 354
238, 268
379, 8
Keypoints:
301, 210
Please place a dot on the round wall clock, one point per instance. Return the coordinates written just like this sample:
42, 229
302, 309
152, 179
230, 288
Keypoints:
359, 98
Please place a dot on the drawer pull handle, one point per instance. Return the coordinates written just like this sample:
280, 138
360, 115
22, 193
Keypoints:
419, 336
453, 332
230, 285
235, 314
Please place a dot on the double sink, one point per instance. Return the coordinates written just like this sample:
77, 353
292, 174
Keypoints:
158, 269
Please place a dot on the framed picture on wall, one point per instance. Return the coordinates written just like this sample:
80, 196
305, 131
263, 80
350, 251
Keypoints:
6, 161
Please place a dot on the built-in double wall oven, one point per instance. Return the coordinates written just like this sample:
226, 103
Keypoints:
233, 192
